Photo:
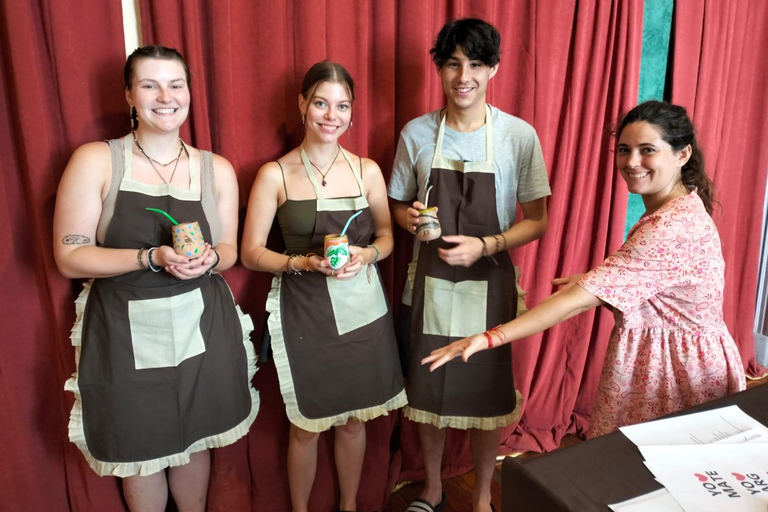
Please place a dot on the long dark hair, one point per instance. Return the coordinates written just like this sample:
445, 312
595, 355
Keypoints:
677, 130
149, 51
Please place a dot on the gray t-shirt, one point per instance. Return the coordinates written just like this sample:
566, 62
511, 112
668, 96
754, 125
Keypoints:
519, 164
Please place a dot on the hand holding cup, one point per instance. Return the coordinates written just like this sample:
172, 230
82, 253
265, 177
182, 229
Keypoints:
415, 218
193, 268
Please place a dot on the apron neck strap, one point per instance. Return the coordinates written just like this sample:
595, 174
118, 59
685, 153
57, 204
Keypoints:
488, 134
311, 173
358, 178
194, 168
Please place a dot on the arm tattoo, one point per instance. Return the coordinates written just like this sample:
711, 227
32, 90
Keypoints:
75, 240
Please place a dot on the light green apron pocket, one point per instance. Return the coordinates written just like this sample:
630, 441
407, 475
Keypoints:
357, 303
454, 309
166, 331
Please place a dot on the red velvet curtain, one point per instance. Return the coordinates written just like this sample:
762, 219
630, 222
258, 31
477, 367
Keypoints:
719, 75
57, 90
568, 68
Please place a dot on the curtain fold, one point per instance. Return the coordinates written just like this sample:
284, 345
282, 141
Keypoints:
587, 75
57, 91
719, 75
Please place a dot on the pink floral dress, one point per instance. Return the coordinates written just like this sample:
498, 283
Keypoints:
670, 348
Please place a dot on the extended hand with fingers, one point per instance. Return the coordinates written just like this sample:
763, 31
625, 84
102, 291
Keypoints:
465, 348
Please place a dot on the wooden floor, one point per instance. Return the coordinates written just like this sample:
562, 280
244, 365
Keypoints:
458, 491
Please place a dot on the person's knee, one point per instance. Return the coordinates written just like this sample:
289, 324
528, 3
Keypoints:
352, 428
299, 435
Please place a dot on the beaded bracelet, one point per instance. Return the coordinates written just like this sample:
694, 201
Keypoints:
289, 268
139, 259
152, 266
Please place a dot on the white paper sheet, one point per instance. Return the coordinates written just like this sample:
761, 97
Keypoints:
750, 436
699, 428
656, 501
726, 426
713, 477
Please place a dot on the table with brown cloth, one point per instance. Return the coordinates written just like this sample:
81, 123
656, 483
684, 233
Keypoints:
591, 475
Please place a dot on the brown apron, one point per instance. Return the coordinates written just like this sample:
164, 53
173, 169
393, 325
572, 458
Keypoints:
333, 341
452, 302
164, 364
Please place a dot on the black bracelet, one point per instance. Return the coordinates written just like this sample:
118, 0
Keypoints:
152, 266
218, 259
485, 252
485, 247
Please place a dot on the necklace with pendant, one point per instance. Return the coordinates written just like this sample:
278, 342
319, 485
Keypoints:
152, 161
320, 169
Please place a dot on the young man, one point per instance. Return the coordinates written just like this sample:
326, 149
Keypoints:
480, 162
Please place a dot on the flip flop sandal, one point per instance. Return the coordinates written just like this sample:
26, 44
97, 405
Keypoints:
420, 505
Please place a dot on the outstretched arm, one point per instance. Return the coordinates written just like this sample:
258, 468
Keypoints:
552, 310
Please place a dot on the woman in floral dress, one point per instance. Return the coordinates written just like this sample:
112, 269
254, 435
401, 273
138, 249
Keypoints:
670, 348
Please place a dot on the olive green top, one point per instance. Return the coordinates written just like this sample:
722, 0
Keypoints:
297, 223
